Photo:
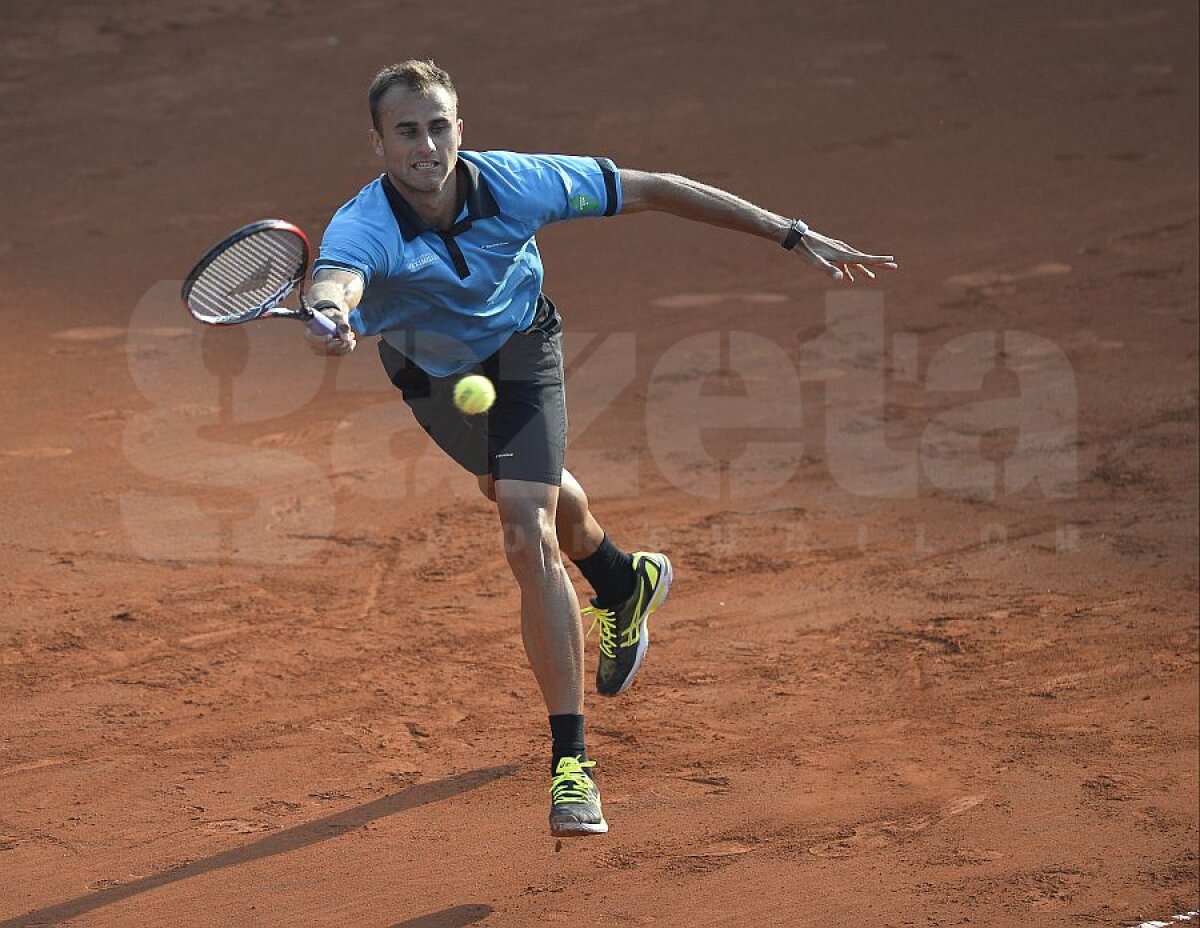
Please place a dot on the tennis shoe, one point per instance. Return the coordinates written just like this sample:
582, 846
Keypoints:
624, 635
575, 800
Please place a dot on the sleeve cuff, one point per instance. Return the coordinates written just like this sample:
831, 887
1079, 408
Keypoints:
322, 264
612, 186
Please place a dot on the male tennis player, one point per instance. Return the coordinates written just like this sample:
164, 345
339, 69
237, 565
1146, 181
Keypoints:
438, 256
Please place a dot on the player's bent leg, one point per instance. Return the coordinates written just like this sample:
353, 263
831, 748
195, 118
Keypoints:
579, 534
624, 628
629, 588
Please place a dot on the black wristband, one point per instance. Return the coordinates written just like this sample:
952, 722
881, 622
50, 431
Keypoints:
325, 304
795, 233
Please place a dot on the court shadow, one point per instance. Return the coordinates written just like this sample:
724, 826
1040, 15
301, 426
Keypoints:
283, 842
456, 917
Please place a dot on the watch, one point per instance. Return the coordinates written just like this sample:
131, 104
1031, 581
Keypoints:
795, 233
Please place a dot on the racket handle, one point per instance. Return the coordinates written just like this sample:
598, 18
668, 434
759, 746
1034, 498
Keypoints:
320, 324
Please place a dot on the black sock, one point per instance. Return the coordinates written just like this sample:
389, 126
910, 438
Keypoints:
567, 732
610, 572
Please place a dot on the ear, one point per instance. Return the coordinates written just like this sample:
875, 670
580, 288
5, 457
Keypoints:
460, 128
376, 141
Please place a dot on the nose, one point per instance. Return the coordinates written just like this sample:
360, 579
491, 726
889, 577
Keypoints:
427, 143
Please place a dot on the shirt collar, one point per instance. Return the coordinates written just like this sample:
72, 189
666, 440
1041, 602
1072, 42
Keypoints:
479, 202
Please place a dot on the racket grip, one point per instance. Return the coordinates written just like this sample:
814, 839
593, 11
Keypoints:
320, 324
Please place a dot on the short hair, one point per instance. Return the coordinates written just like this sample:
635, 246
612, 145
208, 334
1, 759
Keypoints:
419, 76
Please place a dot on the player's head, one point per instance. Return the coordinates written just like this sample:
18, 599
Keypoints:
416, 129
417, 76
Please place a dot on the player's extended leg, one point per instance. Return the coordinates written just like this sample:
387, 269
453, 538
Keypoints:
553, 637
549, 610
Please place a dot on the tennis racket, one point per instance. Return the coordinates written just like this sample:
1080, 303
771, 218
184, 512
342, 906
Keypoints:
248, 274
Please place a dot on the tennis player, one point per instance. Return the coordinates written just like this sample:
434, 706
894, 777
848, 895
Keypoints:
438, 256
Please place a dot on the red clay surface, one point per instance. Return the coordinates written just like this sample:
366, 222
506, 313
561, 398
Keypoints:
260, 665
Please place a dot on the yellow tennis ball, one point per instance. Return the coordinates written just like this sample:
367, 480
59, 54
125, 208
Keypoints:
474, 394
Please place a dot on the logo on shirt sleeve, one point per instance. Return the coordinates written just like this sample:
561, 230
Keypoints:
585, 204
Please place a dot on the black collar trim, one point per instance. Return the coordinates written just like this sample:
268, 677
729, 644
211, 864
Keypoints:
480, 203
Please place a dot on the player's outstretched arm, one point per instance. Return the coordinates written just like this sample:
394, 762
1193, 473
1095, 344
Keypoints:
688, 199
334, 293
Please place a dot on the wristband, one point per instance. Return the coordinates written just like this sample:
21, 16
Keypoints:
326, 304
795, 233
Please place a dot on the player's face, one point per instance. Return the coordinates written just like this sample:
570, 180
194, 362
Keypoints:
418, 138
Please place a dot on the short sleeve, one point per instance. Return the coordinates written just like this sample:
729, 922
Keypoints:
558, 187
351, 243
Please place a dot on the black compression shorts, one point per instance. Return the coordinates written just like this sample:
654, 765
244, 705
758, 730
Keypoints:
524, 435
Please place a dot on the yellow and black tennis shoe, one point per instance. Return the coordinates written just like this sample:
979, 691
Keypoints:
624, 635
575, 800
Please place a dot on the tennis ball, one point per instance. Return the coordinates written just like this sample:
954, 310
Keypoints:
474, 394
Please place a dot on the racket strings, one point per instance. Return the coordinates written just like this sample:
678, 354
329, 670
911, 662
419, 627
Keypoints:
247, 278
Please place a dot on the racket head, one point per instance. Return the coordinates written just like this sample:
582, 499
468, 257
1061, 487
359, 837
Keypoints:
247, 274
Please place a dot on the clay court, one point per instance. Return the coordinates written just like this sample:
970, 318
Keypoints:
931, 654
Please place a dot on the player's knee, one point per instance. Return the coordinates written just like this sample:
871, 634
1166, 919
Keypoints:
531, 546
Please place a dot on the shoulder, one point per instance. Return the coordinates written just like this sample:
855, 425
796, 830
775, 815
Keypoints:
364, 205
519, 165
501, 162
362, 235
366, 216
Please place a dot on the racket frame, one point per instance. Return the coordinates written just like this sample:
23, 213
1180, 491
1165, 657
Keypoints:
269, 307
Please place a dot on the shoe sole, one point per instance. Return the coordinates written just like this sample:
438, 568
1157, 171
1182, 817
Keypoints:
579, 830
660, 594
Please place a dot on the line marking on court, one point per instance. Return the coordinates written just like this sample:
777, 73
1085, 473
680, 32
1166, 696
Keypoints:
1175, 920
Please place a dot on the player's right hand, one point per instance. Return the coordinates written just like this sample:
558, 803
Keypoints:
340, 343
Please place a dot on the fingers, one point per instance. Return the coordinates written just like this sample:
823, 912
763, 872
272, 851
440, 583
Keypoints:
862, 268
841, 253
342, 343
331, 345
840, 260
850, 253
806, 251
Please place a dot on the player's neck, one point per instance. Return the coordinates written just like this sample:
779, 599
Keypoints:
438, 209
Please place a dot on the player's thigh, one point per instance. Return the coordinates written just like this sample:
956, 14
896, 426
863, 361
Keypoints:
527, 436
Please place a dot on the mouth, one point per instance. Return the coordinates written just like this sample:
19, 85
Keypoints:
425, 165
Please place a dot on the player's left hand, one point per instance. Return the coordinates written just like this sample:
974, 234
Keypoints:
839, 260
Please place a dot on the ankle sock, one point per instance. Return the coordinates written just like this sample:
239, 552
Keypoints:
568, 740
610, 572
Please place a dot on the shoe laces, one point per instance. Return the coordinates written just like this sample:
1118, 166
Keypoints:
571, 782
606, 621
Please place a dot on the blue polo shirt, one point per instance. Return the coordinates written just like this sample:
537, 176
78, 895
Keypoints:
450, 299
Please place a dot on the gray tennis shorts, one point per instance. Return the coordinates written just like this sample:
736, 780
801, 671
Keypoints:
524, 435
